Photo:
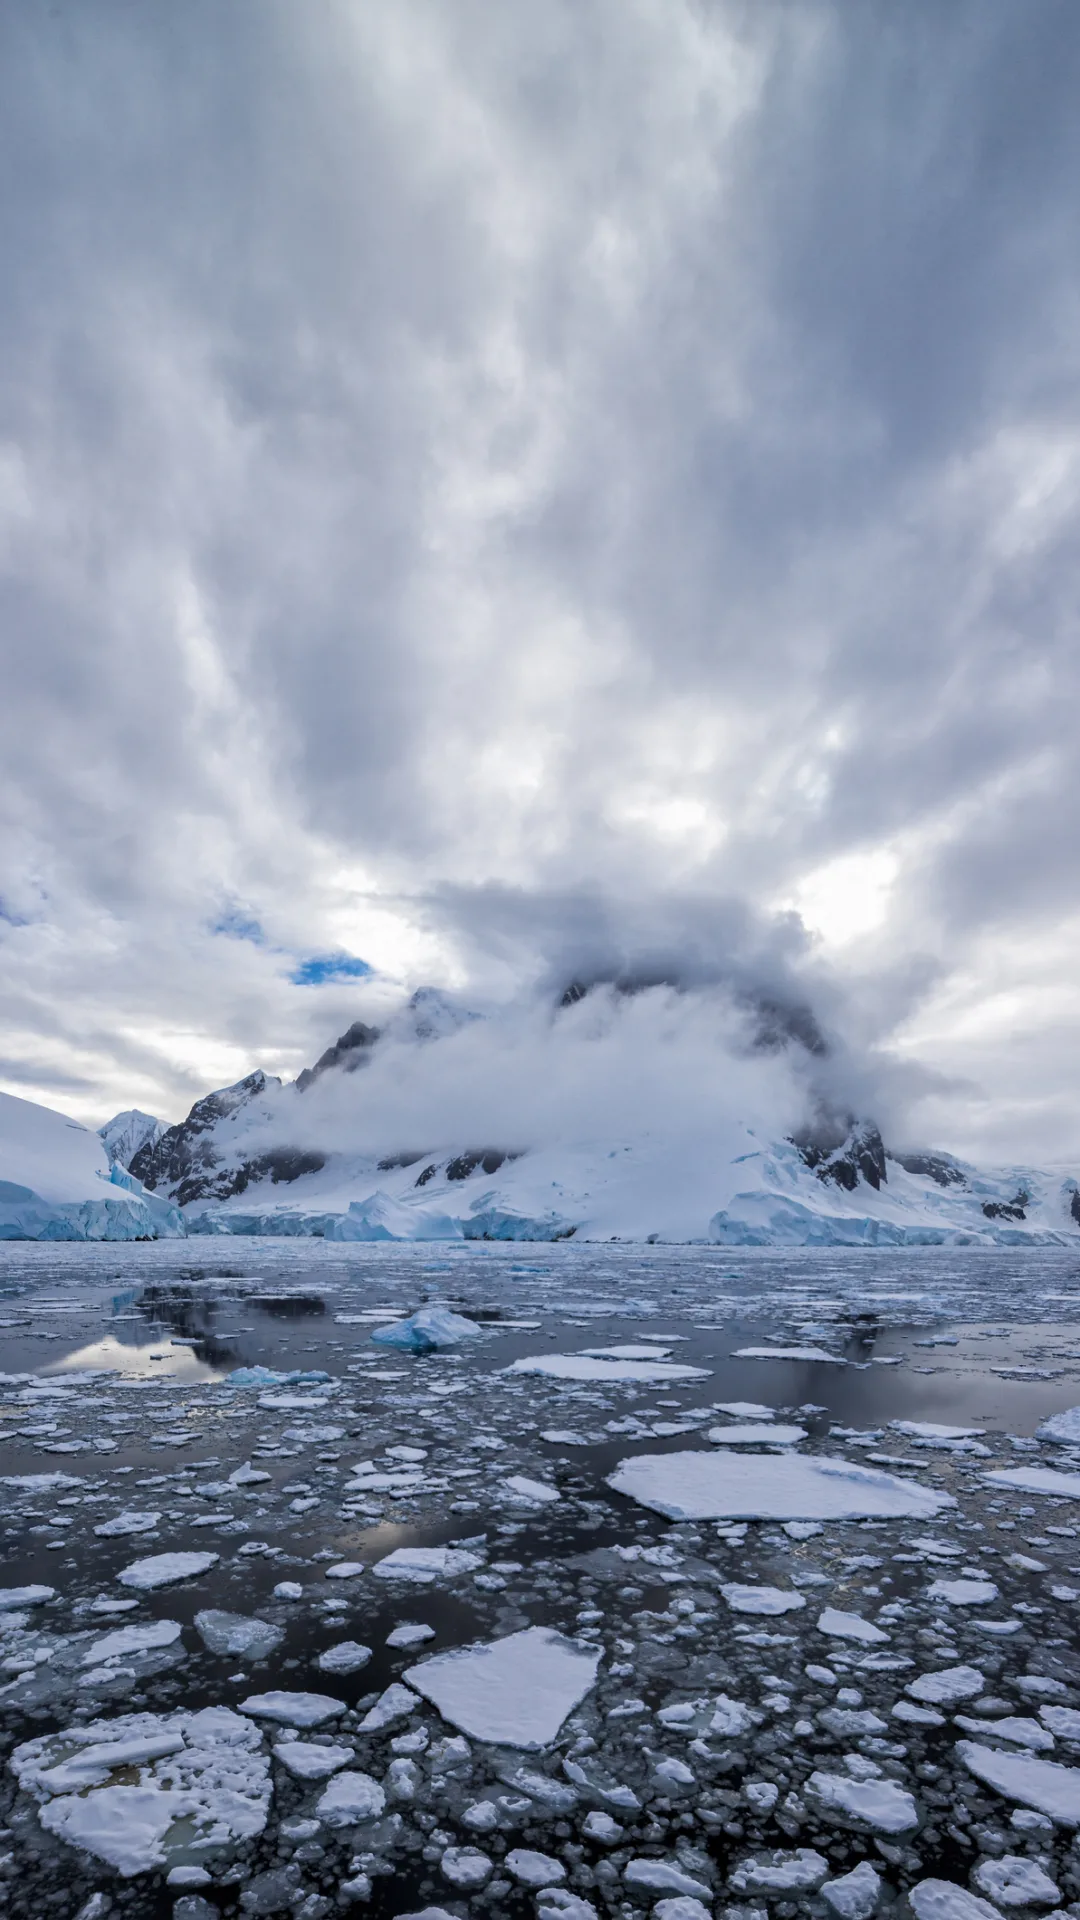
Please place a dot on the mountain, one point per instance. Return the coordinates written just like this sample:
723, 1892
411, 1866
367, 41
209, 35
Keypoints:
374, 1142
127, 1133
57, 1183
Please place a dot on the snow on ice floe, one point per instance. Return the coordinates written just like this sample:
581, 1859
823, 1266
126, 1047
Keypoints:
942, 1900
789, 1353
307, 1762
1015, 1882
880, 1805
745, 1410
165, 1569
1041, 1784
801, 1870
583, 1366
1036, 1480
757, 1435
348, 1656
849, 1626
767, 1600
293, 1709
351, 1797
513, 1692
129, 1640
963, 1593
202, 1780
855, 1895
947, 1687
12, 1597
237, 1634
423, 1565
934, 1430
1063, 1427
717, 1486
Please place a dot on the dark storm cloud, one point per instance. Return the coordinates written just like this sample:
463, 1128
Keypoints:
620, 452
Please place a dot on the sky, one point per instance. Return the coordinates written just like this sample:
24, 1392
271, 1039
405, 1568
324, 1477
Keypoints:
472, 474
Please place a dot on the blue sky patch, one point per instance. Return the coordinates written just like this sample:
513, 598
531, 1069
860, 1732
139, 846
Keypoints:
328, 966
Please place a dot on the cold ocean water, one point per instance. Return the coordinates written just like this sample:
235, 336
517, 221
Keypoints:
804, 1712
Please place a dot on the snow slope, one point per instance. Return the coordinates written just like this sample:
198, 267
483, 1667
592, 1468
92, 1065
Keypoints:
57, 1183
127, 1133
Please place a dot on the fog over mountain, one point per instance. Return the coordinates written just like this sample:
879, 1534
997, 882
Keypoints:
507, 500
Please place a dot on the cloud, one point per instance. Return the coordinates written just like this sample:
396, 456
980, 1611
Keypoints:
607, 452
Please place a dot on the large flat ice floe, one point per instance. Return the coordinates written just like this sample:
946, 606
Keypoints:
1064, 1486
584, 1366
188, 1783
514, 1692
1039, 1784
720, 1486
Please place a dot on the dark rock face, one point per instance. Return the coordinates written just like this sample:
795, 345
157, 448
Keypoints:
775, 1023
844, 1157
1074, 1205
932, 1166
185, 1154
488, 1158
351, 1051
1014, 1209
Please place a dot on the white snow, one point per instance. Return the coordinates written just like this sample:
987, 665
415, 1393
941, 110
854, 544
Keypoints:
715, 1486
165, 1569
348, 1656
799, 1871
420, 1566
534, 1491
395, 1703
534, 1869
767, 1600
849, 1626
127, 1640
410, 1634
855, 1895
963, 1593
293, 1709
351, 1797
756, 1435
1063, 1427
465, 1866
17, 1597
1042, 1784
878, 1804
1013, 1881
516, 1691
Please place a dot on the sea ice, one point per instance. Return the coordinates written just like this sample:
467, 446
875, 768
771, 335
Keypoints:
744, 1409
933, 1430
127, 1522
422, 1565
941, 1900
662, 1876
757, 1435
767, 1600
347, 1657
165, 1569
1063, 1427
515, 1692
582, 1366
307, 1762
1013, 1881
948, 1687
237, 1634
1042, 1784
17, 1597
534, 1491
715, 1486
789, 1353
128, 1640
426, 1331
855, 1895
395, 1703
878, 1804
849, 1626
1036, 1480
350, 1798
410, 1634
963, 1593
800, 1871
534, 1869
465, 1866
293, 1709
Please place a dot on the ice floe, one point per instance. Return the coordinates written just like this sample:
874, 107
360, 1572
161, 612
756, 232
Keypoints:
515, 1692
582, 1366
165, 1570
1041, 1784
711, 1486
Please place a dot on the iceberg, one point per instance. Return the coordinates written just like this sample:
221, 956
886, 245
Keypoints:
427, 1330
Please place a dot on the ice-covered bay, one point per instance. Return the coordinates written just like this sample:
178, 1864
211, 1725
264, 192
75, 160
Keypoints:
591, 1592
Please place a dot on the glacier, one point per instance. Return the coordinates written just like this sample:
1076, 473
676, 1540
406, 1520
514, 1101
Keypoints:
57, 1183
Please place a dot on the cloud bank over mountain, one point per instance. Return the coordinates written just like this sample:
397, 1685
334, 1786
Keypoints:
483, 491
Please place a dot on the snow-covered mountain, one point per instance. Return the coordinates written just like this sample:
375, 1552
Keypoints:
128, 1132
57, 1183
617, 1113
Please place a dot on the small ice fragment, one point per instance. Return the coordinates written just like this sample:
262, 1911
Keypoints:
756, 1435
348, 1656
350, 1798
1012, 1881
948, 1687
395, 1703
532, 1490
800, 1871
465, 1866
933, 1430
855, 1895
516, 1691
237, 1634
307, 1762
745, 1409
917, 1716
14, 1597
288, 1590
789, 1353
662, 1876
767, 1600
165, 1569
681, 1906
802, 1529
878, 1804
963, 1593
730, 1718
345, 1570
1062, 1721
849, 1626
410, 1634
422, 1565
293, 1709
534, 1869
127, 1522
941, 1900
601, 1826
